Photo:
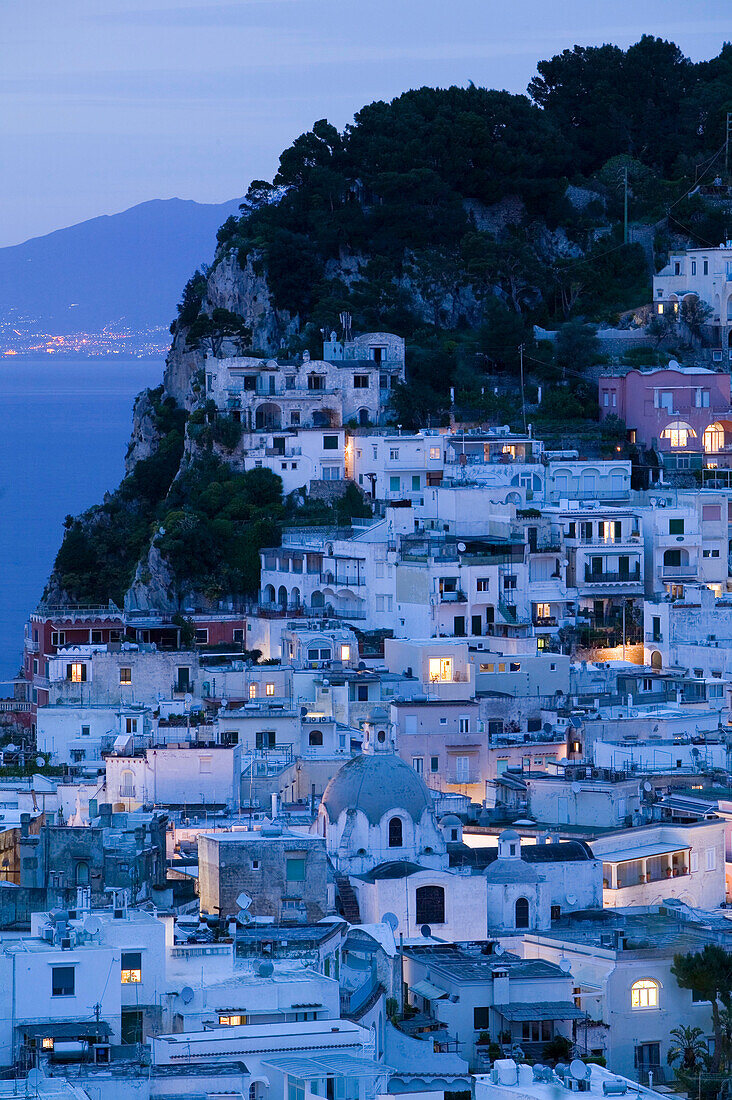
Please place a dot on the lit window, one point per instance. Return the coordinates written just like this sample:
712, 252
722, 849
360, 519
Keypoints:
678, 433
269, 689
435, 452
131, 971
125, 675
47, 1044
644, 994
76, 672
252, 691
345, 652
440, 669
233, 1021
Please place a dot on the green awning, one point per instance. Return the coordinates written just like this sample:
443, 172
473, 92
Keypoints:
521, 1011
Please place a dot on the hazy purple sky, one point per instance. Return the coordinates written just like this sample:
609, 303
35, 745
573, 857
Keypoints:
106, 103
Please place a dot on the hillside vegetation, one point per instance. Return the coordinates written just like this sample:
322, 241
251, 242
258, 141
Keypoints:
458, 217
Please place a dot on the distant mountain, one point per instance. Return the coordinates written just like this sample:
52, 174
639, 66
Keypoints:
120, 269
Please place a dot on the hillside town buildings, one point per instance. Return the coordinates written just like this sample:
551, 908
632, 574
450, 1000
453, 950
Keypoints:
435, 812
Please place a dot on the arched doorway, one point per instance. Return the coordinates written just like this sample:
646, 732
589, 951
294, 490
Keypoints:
521, 913
656, 660
268, 594
282, 596
363, 417
268, 416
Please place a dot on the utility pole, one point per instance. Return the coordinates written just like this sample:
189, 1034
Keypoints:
728, 135
625, 205
521, 368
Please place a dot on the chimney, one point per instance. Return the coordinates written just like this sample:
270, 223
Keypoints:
25, 824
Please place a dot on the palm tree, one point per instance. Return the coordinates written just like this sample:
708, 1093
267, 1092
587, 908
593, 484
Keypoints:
709, 972
689, 1047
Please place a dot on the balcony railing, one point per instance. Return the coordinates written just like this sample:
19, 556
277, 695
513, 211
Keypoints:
631, 576
342, 579
673, 572
654, 636
126, 792
458, 596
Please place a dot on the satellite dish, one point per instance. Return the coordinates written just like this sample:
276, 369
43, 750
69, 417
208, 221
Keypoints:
11, 747
578, 1069
224, 702
35, 1079
565, 965
392, 920
576, 788
647, 786
186, 994
92, 925
187, 700
461, 547
426, 931
243, 900
40, 762
572, 900
265, 969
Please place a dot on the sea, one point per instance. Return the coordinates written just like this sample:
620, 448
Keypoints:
64, 430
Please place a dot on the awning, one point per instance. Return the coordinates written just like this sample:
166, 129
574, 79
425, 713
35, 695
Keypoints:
540, 1010
427, 990
625, 855
58, 1029
327, 1065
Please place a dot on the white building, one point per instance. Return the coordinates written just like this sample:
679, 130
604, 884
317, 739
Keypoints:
703, 273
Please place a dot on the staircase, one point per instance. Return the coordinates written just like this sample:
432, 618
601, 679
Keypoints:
348, 900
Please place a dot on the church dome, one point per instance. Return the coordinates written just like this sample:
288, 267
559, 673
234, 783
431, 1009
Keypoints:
375, 784
505, 871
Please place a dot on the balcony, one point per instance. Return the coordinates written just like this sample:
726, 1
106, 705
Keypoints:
654, 637
343, 580
458, 596
544, 620
126, 792
677, 572
630, 576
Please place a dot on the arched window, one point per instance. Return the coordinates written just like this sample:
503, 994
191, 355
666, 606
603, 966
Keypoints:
678, 432
644, 994
315, 737
430, 905
82, 873
522, 913
395, 832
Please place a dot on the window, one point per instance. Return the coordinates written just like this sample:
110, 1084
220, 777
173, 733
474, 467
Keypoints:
676, 527
521, 913
694, 862
360, 381
395, 484
430, 905
330, 442
296, 869
125, 675
130, 725
509, 582
131, 967
237, 1020
705, 266
434, 764
362, 693
81, 873
58, 638
481, 1019
464, 724
238, 635
316, 382
395, 832
269, 689
345, 652
483, 584
85, 731
711, 857
435, 452
76, 672
96, 637
202, 636
315, 737
415, 483
644, 994
693, 267
418, 764
384, 603
440, 670
62, 981
394, 454
252, 691
331, 473
204, 765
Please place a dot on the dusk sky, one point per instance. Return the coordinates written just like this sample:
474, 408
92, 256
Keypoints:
107, 103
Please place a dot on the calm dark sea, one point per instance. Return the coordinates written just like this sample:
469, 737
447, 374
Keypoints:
64, 429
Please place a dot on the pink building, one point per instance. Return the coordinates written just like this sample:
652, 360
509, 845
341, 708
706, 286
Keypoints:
680, 410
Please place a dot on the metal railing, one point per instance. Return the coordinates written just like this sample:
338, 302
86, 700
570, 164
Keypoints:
632, 576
